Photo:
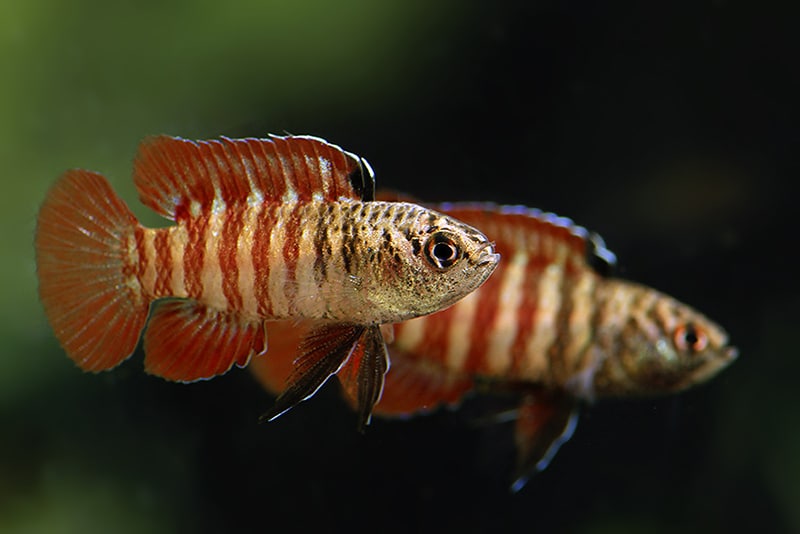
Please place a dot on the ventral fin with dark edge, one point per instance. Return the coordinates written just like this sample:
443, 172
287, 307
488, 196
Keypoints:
179, 178
322, 353
362, 375
412, 385
545, 421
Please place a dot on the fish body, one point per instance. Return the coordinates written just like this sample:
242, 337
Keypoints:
550, 327
346, 261
265, 229
549, 317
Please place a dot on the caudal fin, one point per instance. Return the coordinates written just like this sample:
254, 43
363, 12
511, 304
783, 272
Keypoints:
90, 293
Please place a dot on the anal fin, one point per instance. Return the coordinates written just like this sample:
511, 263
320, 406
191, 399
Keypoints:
545, 421
186, 341
419, 385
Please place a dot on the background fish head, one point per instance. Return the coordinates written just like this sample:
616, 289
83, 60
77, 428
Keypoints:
430, 262
662, 347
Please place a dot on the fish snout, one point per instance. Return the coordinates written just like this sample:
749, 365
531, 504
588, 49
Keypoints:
731, 353
486, 255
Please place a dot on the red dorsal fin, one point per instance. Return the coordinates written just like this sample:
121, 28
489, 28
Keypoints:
542, 235
186, 341
175, 176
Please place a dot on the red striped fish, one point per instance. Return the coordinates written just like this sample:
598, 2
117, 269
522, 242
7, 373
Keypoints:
265, 229
549, 327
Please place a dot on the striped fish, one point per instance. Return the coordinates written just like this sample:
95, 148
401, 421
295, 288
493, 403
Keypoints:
265, 229
549, 327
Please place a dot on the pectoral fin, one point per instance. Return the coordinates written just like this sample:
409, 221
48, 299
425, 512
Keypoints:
545, 421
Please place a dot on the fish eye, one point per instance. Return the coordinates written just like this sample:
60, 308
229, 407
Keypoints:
442, 250
690, 338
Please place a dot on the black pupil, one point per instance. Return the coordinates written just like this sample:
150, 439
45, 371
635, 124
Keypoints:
691, 336
443, 251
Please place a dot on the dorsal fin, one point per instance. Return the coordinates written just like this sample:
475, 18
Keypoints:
176, 177
516, 228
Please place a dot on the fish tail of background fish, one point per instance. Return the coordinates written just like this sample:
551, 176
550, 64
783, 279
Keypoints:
90, 291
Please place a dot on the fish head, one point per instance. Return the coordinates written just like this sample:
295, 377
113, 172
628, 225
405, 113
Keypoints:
664, 346
433, 261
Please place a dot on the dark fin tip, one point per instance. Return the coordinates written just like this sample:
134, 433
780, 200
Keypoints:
546, 421
363, 180
600, 259
322, 352
518, 484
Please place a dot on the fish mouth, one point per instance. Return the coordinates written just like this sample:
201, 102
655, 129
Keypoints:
721, 360
487, 255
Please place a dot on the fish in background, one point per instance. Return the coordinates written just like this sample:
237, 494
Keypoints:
550, 327
265, 230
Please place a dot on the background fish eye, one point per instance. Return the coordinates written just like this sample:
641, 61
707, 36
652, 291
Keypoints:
690, 338
442, 250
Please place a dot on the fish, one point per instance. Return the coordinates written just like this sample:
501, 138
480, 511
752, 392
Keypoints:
263, 230
552, 328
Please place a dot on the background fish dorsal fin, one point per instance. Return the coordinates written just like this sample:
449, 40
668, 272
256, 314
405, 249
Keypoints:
177, 176
546, 237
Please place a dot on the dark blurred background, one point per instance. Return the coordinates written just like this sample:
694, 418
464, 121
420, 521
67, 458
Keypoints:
671, 130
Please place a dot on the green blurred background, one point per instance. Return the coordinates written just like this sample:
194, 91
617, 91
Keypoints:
672, 131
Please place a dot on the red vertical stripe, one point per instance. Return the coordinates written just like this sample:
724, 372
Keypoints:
260, 252
291, 251
488, 304
194, 255
163, 264
434, 342
526, 314
141, 264
227, 252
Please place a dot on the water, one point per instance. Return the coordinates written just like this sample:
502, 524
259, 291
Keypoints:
673, 134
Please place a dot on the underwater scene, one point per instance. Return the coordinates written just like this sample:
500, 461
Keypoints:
545, 247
